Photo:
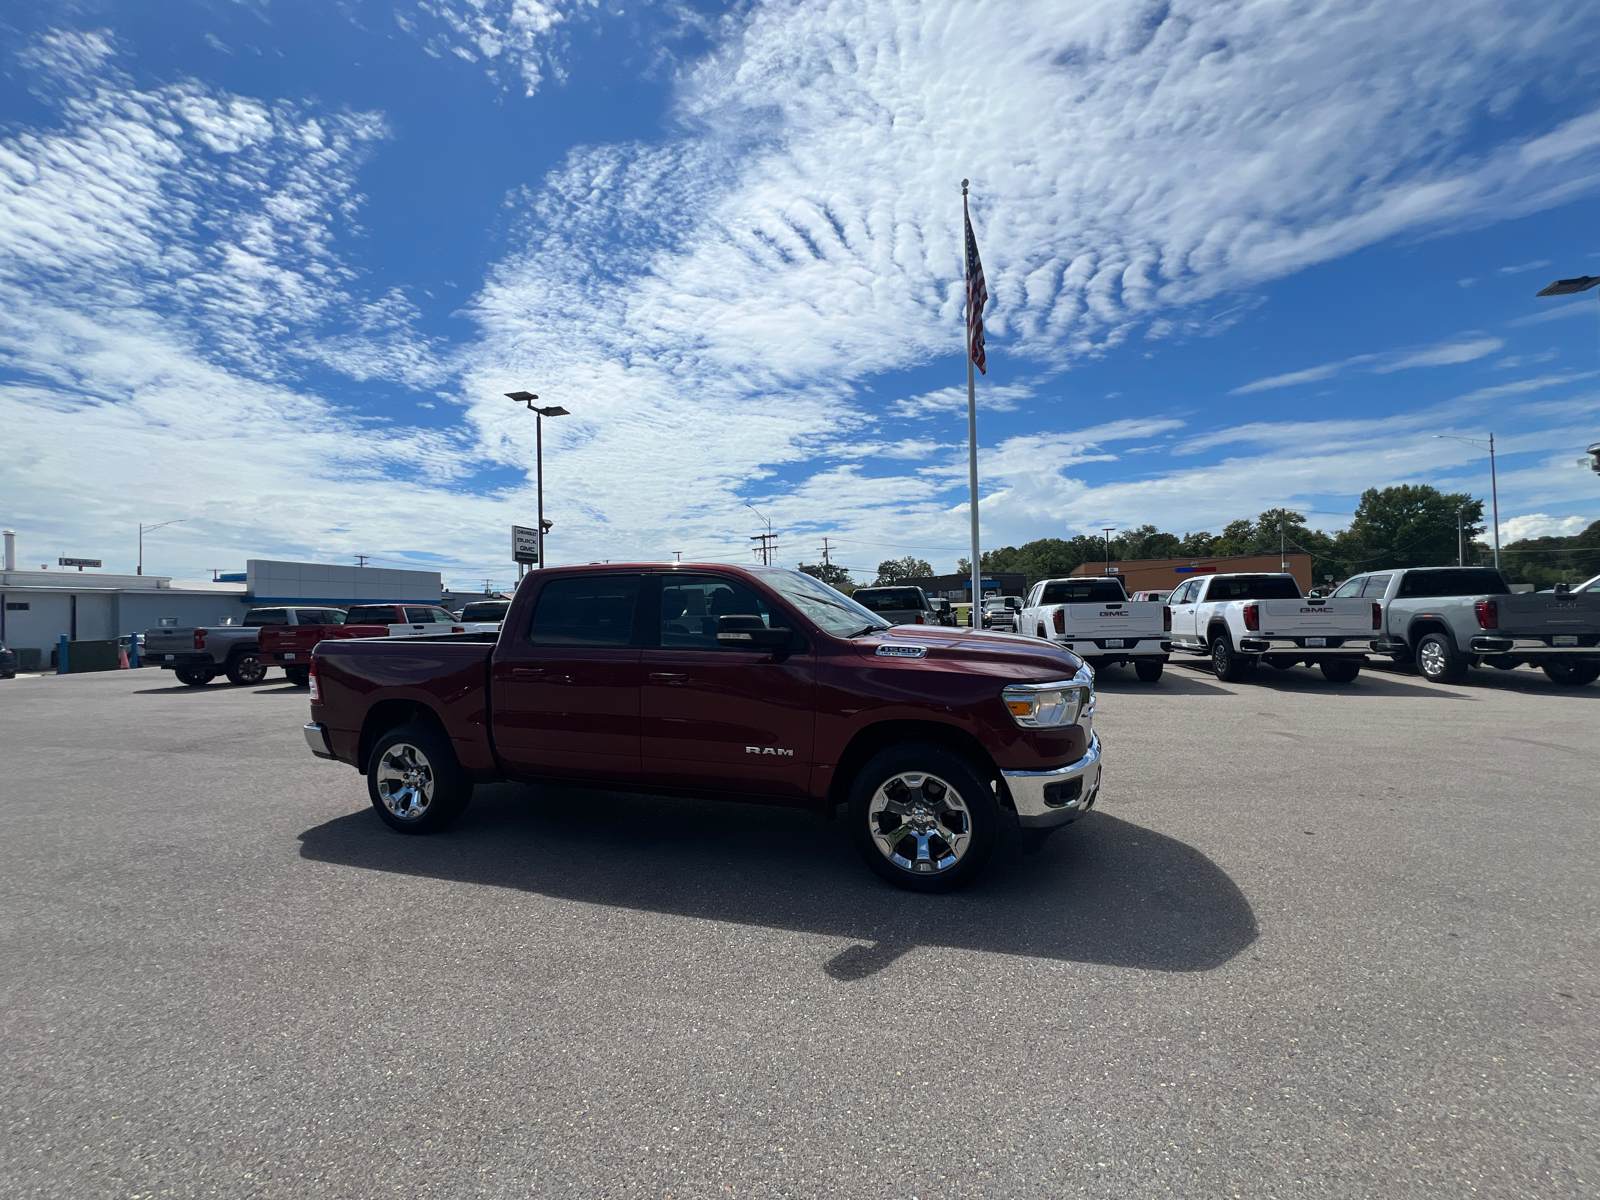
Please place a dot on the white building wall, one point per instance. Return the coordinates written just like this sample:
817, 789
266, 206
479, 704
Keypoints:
270, 582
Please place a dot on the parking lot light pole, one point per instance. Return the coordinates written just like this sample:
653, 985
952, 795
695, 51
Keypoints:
144, 529
539, 414
1494, 486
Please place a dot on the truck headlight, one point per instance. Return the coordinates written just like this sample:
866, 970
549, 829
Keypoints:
1048, 705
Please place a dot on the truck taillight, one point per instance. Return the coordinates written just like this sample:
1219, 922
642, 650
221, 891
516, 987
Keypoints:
1060, 620
1488, 614
1377, 615
199, 639
1166, 618
316, 690
1252, 617
920, 621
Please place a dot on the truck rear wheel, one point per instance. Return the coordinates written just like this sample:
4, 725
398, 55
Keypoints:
194, 676
922, 818
1148, 672
1437, 660
1340, 670
1227, 664
1572, 674
415, 782
246, 669
299, 676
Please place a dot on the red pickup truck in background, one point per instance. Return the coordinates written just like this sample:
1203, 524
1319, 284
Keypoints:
290, 646
740, 683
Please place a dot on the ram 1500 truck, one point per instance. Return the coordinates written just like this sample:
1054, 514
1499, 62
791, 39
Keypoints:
1446, 619
741, 683
1093, 617
1242, 620
290, 647
199, 655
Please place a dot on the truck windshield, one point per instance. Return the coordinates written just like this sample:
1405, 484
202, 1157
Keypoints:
1454, 581
1254, 587
1071, 591
833, 611
888, 599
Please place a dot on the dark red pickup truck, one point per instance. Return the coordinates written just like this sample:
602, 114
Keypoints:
743, 683
290, 646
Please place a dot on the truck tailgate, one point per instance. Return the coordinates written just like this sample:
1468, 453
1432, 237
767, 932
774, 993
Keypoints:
1336, 618
1139, 617
168, 641
1536, 614
292, 641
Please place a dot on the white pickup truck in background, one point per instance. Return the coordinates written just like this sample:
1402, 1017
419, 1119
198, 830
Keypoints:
1242, 620
1093, 617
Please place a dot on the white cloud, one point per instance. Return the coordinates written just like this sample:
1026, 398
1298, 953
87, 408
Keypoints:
1534, 525
1556, 312
1444, 354
1527, 266
520, 42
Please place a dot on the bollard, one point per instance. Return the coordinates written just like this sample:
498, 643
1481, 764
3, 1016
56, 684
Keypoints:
133, 651
61, 656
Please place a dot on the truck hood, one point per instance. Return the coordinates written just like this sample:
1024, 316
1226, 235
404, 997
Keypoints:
1004, 655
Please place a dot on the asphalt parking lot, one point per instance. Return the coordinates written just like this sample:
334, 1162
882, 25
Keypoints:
1315, 941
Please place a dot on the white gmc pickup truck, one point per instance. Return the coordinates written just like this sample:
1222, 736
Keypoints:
1242, 620
1093, 617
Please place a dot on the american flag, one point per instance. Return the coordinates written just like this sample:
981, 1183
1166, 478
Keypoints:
977, 295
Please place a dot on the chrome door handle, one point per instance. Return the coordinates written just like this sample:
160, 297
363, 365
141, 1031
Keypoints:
669, 676
526, 672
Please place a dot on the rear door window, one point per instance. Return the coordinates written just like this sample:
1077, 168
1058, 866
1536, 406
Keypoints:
587, 610
1376, 586
373, 614
1350, 587
691, 604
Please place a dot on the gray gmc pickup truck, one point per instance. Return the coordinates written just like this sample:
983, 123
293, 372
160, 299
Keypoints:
1447, 619
199, 655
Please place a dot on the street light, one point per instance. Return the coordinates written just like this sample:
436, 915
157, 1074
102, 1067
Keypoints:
539, 414
1106, 529
144, 529
1494, 487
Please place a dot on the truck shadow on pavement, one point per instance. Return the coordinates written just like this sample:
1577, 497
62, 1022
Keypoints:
1310, 680
1101, 891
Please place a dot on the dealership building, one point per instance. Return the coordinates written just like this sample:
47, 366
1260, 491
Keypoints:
42, 606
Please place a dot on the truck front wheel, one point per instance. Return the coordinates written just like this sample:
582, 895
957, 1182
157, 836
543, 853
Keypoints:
1340, 670
246, 669
415, 782
1227, 664
1572, 674
922, 818
1148, 672
1437, 660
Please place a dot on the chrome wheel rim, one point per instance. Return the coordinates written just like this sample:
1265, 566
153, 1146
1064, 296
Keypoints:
1219, 657
919, 823
1431, 659
405, 781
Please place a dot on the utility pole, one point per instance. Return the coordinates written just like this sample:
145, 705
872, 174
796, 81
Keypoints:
1283, 549
1461, 536
826, 561
1106, 529
677, 555
768, 540
361, 559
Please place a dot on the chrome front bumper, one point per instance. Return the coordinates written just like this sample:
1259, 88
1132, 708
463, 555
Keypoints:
317, 739
1045, 799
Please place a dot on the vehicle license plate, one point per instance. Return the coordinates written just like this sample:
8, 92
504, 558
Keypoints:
170, 657
1316, 642
1564, 639
288, 656
1113, 643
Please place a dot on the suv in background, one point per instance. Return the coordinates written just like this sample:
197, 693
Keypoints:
1001, 612
943, 612
900, 605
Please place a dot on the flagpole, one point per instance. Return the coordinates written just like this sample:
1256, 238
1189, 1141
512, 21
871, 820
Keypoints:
975, 617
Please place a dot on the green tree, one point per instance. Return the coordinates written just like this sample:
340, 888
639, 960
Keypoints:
1409, 525
1197, 545
1547, 561
1144, 542
893, 570
831, 574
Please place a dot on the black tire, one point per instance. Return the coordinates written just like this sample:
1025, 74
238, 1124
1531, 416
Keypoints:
1340, 670
1572, 674
246, 669
299, 676
974, 803
194, 676
1438, 661
411, 763
1280, 664
1148, 672
1227, 664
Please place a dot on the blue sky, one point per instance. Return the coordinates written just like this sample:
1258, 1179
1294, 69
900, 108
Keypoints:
268, 266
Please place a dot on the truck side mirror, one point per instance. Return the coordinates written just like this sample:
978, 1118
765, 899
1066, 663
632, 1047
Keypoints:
746, 631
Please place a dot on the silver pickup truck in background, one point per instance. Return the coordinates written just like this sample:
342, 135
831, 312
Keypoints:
199, 655
1447, 619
